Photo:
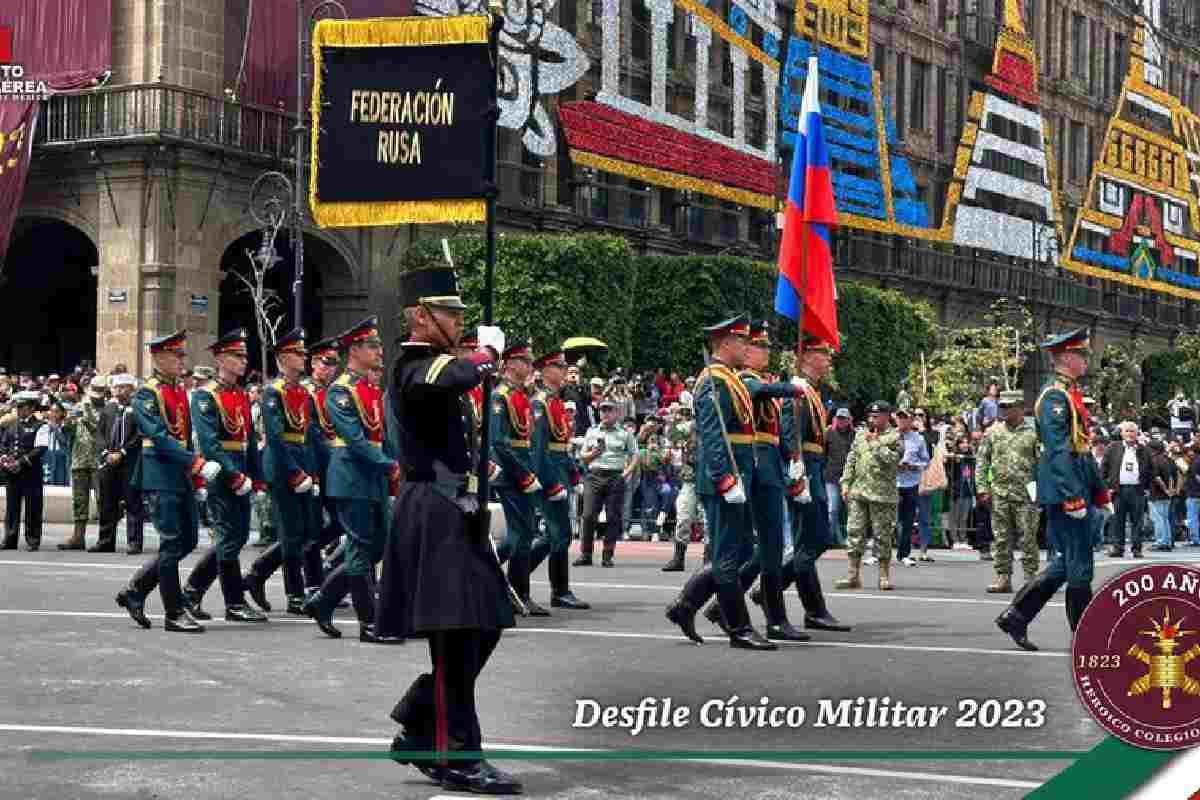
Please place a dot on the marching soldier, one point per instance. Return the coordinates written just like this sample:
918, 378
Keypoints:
804, 421
169, 472
441, 580
305, 575
725, 470
84, 425
225, 434
766, 493
1068, 487
1005, 465
361, 476
510, 428
23, 440
869, 489
552, 462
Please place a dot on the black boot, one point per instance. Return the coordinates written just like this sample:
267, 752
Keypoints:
713, 614
539, 551
733, 607
362, 595
135, 604
606, 557
178, 619
816, 615
263, 567
561, 595
778, 627
415, 714
198, 583
10, 542
293, 586
236, 609
682, 612
1077, 600
320, 606
676, 564
192, 598
1026, 605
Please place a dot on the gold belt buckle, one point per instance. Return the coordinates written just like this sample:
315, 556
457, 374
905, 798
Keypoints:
472, 484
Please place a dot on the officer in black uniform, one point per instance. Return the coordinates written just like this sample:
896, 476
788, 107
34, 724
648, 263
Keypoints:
22, 443
441, 579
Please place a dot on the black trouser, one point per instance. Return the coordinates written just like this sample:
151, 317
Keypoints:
906, 512
116, 488
445, 700
24, 490
1130, 505
603, 488
983, 528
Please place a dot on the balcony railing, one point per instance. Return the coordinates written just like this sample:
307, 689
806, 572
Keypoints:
158, 110
968, 270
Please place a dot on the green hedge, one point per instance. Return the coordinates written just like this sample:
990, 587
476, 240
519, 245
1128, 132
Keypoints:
650, 309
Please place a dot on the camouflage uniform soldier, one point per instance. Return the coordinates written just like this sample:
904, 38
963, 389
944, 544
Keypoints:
85, 459
1005, 465
682, 435
869, 488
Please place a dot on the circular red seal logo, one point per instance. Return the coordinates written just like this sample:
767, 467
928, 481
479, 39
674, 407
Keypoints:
1136, 657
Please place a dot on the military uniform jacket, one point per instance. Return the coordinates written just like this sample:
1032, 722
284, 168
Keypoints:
438, 572
225, 433
551, 442
85, 453
1007, 461
161, 410
807, 412
870, 472
290, 426
1066, 470
769, 448
326, 435
510, 430
19, 439
358, 465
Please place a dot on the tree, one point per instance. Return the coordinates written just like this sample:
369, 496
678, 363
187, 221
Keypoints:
268, 305
952, 377
1117, 382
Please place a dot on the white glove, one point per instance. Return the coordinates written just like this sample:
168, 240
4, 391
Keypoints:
805, 496
305, 486
493, 471
210, 470
796, 470
1078, 513
558, 496
201, 495
1109, 508
736, 495
316, 490
244, 488
536, 486
260, 496
491, 336
800, 382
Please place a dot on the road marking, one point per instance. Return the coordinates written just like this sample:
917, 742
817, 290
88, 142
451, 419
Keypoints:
834, 769
665, 637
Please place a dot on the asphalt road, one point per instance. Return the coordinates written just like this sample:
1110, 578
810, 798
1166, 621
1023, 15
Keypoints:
77, 675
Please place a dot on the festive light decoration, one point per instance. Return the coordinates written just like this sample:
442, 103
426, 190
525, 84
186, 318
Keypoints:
1142, 207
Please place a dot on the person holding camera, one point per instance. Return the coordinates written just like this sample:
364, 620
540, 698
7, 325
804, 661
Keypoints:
610, 453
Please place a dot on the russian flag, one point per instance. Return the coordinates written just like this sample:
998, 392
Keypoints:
805, 257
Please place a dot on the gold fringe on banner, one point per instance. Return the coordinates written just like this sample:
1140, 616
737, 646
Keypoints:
388, 32
400, 31
419, 212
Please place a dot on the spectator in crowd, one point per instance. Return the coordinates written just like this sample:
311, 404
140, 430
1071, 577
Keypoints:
618, 392
1127, 472
960, 473
661, 383
1178, 457
1183, 416
651, 455
922, 425
1191, 488
610, 453
84, 424
645, 398
1162, 489
633, 482
1104, 530
989, 406
122, 446
572, 389
56, 461
686, 397
587, 416
908, 476
838, 440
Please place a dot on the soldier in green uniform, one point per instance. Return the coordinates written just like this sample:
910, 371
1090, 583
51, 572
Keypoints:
169, 473
682, 437
517, 484
724, 481
1069, 488
766, 493
551, 448
869, 489
225, 434
1005, 466
361, 476
84, 425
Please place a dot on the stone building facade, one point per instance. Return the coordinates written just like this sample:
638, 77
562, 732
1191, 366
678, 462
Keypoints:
154, 169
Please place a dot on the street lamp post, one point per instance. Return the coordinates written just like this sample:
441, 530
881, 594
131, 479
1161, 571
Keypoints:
304, 25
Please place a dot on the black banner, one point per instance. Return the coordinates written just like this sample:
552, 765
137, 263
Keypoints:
403, 123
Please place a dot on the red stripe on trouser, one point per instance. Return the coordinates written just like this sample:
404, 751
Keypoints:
440, 734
